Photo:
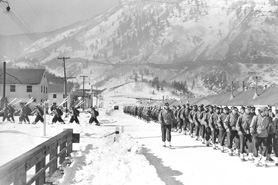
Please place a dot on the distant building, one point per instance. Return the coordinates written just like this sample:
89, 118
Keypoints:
24, 84
57, 94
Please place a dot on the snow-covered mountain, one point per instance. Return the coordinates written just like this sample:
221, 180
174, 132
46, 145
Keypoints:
206, 43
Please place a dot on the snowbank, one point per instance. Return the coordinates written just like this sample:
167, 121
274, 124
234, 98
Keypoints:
110, 163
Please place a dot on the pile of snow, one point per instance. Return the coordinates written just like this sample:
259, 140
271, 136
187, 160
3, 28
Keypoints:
110, 163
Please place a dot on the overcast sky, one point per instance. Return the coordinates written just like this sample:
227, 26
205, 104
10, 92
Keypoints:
48, 15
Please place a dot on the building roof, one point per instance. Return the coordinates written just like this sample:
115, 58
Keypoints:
22, 76
57, 88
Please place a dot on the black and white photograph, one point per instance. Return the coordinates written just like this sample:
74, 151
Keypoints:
138, 92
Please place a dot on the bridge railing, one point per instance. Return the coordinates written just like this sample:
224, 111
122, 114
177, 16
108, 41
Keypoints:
57, 148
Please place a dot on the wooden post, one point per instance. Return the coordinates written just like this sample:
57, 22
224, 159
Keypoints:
53, 154
20, 175
63, 156
122, 129
44, 120
117, 133
39, 166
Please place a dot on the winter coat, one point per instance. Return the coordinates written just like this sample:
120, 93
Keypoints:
260, 126
220, 122
243, 123
205, 119
191, 116
166, 117
213, 120
275, 125
230, 122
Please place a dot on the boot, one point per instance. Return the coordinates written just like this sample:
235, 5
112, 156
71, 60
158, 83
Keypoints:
170, 144
164, 144
222, 149
263, 160
250, 157
276, 161
242, 157
231, 152
257, 161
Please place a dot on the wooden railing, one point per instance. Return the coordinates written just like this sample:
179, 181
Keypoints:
15, 171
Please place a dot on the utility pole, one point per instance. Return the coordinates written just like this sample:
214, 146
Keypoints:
83, 90
65, 77
4, 100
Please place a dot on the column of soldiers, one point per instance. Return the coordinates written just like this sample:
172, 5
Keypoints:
241, 132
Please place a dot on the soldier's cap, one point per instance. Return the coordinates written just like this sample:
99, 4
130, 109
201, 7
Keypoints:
242, 107
187, 104
195, 106
166, 104
234, 108
263, 109
217, 107
183, 105
249, 107
201, 105
226, 108
179, 106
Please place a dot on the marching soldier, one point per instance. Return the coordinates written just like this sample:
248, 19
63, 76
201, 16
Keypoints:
243, 128
259, 129
57, 114
39, 115
213, 125
166, 118
230, 126
191, 119
94, 114
275, 137
74, 115
11, 112
222, 130
205, 126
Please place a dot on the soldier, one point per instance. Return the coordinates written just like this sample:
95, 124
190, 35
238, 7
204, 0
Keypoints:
5, 112
166, 117
214, 126
94, 114
57, 114
206, 132
275, 137
175, 122
259, 129
23, 114
191, 119
39, 115
222, 130
74, 115
243, 128
179, 119
11, 112
197, 120
230, 126
185, 117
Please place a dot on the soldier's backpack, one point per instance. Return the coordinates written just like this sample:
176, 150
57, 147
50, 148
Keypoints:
96, 113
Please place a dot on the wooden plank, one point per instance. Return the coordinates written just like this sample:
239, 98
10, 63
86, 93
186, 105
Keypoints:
40, 165
53, 156
20, 176
14, 169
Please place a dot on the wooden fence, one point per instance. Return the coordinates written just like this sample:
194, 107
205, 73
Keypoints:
58, 147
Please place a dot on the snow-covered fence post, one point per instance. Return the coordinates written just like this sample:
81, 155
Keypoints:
122, 129
117, 134
44, 117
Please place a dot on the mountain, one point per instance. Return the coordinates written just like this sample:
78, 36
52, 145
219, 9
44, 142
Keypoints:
205, 43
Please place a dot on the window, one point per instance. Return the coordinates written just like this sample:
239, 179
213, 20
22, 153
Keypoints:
46, 89
29, 88
41, 89
54, 103
12, 88
54, 95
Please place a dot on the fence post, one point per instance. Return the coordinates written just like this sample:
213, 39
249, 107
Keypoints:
53, 154
20, 176
122, 129
117, 133
39, 166
63, 156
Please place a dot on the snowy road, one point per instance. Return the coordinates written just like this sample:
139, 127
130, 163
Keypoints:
190, 162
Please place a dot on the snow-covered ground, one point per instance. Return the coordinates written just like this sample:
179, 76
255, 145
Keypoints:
138, 158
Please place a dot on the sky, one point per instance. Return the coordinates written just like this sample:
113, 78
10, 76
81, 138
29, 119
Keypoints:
43, 16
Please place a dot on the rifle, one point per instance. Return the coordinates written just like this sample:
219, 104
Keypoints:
29, 101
